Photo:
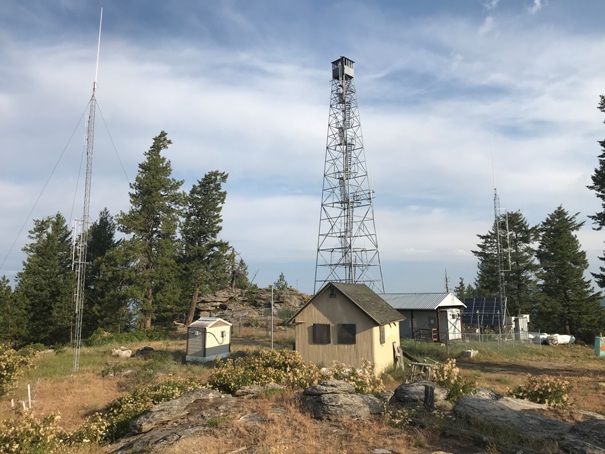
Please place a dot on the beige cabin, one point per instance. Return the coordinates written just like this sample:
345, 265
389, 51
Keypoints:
348, 323
208, 338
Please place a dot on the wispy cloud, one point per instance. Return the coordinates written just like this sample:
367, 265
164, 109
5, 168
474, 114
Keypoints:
535, 7
487, 26
491, 4
248, 92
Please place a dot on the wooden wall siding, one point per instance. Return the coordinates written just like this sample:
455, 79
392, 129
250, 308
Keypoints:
334, 311
383, 353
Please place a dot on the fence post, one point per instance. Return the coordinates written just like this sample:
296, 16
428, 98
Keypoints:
429, 397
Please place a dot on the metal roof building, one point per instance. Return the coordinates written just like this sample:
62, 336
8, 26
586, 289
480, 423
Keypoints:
421, 301
432, 316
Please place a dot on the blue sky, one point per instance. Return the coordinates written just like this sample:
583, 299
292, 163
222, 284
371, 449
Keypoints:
243, 87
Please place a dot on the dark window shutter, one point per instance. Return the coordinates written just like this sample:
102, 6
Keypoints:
382, 334
346, 333
321, 333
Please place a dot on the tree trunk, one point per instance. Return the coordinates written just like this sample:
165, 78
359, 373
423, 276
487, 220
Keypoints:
192, 306
147, 312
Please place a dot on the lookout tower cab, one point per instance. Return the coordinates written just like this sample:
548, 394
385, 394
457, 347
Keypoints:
343, 69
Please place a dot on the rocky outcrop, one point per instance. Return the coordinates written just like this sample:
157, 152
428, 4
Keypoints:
337, 400
528, 420
412, 395
170, 410
233, 304
186, 416
258, 390
513, 414
198, 410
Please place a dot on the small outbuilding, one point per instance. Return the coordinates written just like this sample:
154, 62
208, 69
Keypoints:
348, 323
208, 338
429, 316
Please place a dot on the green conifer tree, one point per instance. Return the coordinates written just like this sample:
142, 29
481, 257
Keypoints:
151, 223
45, 285
205, 258
104, 306
598, 186
568, 304
517, 240
13, 316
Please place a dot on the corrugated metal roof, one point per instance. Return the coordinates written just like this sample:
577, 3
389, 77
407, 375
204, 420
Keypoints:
421, 301
207, 322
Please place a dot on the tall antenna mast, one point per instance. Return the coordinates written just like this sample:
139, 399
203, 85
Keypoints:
81, 244
500, 234
347, 247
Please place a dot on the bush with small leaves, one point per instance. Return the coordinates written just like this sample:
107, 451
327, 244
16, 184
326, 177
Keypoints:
448, 376
284, 367
12, 365
544, 389
113, 421
364, 378
27, 434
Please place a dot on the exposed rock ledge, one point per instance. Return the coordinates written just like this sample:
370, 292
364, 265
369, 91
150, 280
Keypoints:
528, 420
187, 415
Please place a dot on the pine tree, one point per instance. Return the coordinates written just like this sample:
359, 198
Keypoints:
239, 273
205, 258
103, 303
115, 282
13, 316
152, 222
517, 240
281, 283
569, 304
598, 186
463, 291
45, 285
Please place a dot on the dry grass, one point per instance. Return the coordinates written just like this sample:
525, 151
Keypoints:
578, 364
72, 398
288, 430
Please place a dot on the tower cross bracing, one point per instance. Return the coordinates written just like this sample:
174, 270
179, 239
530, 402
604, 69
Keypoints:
347, 249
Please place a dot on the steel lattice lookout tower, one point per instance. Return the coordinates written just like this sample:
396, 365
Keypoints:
347, 247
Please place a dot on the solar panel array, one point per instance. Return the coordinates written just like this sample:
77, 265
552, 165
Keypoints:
483, 312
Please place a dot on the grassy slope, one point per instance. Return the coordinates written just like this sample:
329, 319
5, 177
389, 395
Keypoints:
102, 378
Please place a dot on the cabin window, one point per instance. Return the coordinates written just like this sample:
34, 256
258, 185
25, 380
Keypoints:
346, 333
321, 333
382, 334
332, 292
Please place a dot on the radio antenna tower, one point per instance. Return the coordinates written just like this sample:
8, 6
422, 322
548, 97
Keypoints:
347, 247
81, 239
502, 253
